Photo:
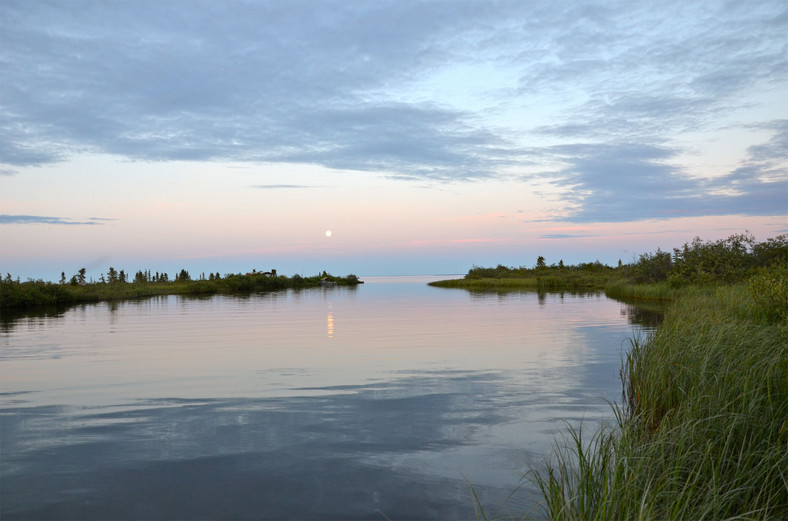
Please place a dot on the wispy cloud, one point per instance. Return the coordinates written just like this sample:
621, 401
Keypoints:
480, 240
284, 187
563, 236
41, 219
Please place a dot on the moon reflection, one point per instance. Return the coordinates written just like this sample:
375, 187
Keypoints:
330, 321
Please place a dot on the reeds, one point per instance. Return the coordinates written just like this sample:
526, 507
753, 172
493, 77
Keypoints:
660, 291
703, 429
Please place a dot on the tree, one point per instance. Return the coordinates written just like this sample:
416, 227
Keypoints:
81, 276
540, 262
122, 276
62, 277
112, 275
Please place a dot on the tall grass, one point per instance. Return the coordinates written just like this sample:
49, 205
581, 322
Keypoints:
703, 429
659, 291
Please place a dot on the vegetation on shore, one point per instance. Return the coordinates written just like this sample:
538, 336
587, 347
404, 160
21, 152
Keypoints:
702, 431
15, 294
582, 277
653, 276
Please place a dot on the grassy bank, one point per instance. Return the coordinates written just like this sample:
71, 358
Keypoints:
33, 294
703, 430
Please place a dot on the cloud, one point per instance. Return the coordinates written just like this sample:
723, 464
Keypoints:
631, 182
246, 82
606, 90
564, 236
284, 187
480, 240
40, 219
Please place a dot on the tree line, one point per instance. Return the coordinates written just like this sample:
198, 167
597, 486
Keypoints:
114, 285
729, 260
114, 276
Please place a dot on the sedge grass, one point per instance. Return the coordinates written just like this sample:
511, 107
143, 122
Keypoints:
621, 288
703, 430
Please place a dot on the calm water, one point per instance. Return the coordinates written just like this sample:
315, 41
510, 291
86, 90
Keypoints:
332, 403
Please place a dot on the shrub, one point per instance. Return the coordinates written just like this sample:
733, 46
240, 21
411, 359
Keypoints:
769, 290
727, 261
651, 267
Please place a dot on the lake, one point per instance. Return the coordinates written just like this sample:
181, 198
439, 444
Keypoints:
380, 401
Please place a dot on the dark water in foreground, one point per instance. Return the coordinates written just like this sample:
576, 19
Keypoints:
334, 403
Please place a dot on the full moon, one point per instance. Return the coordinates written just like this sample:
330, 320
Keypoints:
328, 233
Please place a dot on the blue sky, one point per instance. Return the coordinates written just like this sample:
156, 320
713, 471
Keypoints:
429, 136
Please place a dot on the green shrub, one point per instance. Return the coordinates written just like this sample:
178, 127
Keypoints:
724, 261
651, 267
769, 290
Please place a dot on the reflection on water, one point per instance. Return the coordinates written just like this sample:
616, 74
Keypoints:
322, 404
330, 322
648, 315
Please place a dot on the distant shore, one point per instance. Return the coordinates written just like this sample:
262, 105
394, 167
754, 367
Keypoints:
15, 294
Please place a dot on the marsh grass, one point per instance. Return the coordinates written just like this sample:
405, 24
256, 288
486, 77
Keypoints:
703, 429
660, 291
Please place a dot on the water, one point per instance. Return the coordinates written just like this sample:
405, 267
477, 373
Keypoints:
385, 399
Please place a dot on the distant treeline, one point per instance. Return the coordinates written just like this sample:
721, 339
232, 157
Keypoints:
726, 261
115, 286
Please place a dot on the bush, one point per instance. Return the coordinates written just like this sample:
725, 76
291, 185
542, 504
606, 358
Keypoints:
772, 251
651, 267
769, 290
727, 261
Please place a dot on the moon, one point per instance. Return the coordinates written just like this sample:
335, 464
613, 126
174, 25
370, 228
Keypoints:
329, 233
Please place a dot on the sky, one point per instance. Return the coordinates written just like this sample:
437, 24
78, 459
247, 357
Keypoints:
429, 137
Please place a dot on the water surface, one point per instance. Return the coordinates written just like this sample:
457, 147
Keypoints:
331, 403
